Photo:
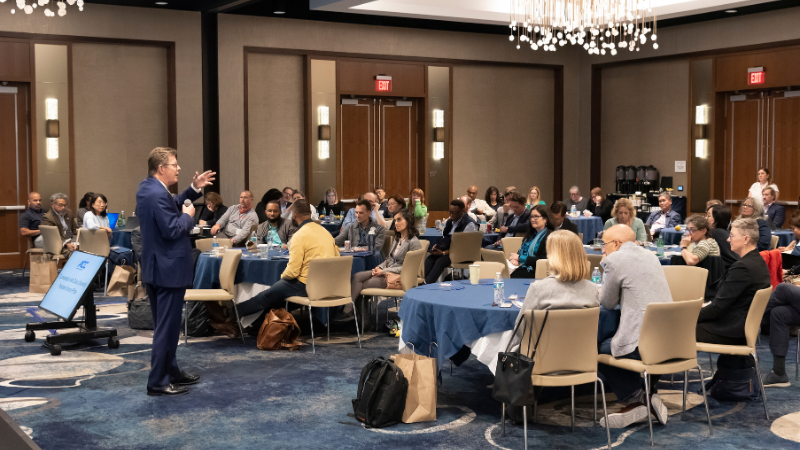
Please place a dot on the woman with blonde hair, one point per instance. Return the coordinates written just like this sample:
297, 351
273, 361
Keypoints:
331, 203
417, 203
534, 198
625, 214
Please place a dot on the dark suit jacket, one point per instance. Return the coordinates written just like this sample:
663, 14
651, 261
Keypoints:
777, 213
521, 227
166, 248
51, 219
728, 256
211, 218
569, 225
726, 314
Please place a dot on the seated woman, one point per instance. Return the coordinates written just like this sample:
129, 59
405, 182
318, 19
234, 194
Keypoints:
794, 223
394, 204
96, 218
699, 234
261, 207
493, 198
722, 320
753, 209
417, 203
534, 198
212, 210
623, 213
534, 245
600, 206
331, 204
719, 219
83, 206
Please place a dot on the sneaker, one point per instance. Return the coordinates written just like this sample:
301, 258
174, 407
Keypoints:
633, 413
774, 380
658, 409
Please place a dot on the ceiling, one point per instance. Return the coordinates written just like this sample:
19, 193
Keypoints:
481, 16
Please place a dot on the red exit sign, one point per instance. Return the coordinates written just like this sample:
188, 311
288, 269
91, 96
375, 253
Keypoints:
383, 83
756, 75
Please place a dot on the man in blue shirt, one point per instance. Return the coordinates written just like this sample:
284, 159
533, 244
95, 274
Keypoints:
30, 219
375, 215
663, 218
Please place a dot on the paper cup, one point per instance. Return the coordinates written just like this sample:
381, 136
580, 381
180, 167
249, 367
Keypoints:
474, 273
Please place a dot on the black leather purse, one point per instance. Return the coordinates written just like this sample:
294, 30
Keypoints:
512, 377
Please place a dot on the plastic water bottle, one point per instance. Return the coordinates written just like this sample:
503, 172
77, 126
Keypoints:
660, 247
121, 220
323, 213
572, 211
330, 214
254, 238
483, 226
215, 246
499, 295
596, 277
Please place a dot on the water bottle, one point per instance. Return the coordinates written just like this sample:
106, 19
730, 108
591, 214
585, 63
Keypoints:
254, 238
499, 295
323, 213
121, 220
483, 226
596, 278
215, 246
572, 211
330, 214
660, 247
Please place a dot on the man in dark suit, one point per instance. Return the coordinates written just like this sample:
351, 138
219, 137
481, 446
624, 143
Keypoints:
518, 218
167, 264
560, 220
61, 217
775, 212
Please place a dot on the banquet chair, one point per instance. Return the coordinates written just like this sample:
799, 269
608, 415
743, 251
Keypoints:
667, 345
647, 233
388, 242
686, 282
566, 356
488, 269
498, 257
594, 261
328, 285
421, 275
541, 269
51, 243
97, 243
751, 326
30, 251
465, 248
511, 245
227, 276
408, 280
204, 245
580, 236
773, 243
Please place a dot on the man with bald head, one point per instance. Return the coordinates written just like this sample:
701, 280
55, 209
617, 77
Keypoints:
30, 220
235, 224
374, 211
479, 207
632, 279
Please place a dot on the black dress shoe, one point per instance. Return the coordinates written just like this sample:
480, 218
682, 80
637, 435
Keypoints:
169, 389
186, 380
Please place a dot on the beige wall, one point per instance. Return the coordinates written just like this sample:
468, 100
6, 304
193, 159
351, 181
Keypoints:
120, 107
503, 129
323, 93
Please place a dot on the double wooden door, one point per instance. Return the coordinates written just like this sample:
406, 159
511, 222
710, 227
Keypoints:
14, 160
378, 142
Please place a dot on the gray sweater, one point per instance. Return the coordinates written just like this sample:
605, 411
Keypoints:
632, 278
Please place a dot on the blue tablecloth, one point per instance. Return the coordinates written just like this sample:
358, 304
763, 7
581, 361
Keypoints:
454, 318
665, 261
332, 227
785, 237
121, 238
589, 226
434, 236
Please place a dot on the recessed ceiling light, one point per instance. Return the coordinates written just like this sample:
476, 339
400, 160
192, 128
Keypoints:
730, 11
161, 3
280, 12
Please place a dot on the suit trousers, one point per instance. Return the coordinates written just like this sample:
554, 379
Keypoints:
726, 361
783, 313
166, 305
434, 266
273, 298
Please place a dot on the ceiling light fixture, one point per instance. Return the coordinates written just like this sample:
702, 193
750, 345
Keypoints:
731, 11
161, 3
280, 7
60, 10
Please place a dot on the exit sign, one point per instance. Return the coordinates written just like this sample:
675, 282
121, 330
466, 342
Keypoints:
383, 83
756, 75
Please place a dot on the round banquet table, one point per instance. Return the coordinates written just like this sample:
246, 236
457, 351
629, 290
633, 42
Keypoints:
589, 226
785, 237
433, 236
669, 252
121, 238
332, 227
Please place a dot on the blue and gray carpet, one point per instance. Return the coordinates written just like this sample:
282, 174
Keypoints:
92, 397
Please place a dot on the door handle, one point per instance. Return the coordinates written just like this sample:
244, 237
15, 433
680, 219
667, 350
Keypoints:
12, 208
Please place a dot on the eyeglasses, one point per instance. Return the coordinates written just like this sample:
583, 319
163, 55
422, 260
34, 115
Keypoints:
176, 165
603, 245
745, 205
535, 217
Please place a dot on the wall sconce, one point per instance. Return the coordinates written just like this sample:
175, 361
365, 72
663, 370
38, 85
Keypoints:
324, 149
701, 115
324, 134
438, 134
51, 129
700, 148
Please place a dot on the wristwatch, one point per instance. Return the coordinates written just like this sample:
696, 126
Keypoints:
684, 248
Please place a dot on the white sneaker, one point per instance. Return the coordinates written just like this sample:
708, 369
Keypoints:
633, 413
658, 409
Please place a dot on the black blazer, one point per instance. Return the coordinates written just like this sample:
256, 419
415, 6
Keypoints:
728, 256
726, 314
338, 207
569, 225
521, 227
603, 211
211, 218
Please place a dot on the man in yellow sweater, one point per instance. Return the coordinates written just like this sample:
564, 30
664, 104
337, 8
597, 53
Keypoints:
310, 241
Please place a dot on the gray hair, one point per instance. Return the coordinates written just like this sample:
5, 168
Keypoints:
758, 208
665, 195
58, 196
748, 227
575, 188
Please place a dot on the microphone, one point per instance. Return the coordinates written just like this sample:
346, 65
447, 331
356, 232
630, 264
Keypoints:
187, 202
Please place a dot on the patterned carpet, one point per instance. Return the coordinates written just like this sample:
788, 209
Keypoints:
92, 397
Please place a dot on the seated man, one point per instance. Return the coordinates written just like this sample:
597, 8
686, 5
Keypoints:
502, 212
479, 207
357, 232
30, 220
633, 278
439, 258
61, 217
375, 213
560, 219
518, 218
286, 198
783, 313
383, 203
311, 241
467, 200
575, 199
297, 195
235, 224
775, 212
664, 217
276, 229
722, 320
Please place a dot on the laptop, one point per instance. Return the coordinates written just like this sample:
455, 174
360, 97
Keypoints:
790, 260
112, 220
131, 222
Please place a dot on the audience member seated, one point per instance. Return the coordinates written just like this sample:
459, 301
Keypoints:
83, 206
719, 218
382, 203
235, 224
493, 198
781, 315
30, 220
558, 213
775, 212
665, 217
753, 209
502, 212
211, 211
276, 230
533, 246
61, 217
261, 207
331, 204
96, 218
575, 199
439, 254
376, 217
394, 204
297, 195
417, 203
534, 198
357, 232
794, 223
764, 181
623, 213
517, 218
713, 202
632, 279
478, 207
467, 204
698, 242
311, 241
600, 206
722, 320
286, 198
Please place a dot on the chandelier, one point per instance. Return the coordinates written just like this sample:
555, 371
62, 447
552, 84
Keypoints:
596, 25
61, 6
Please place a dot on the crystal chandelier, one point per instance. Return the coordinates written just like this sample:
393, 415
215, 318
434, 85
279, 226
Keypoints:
596, 25
61, 6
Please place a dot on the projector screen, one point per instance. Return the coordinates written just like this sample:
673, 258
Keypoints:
65, 294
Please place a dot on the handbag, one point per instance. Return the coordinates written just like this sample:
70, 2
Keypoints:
393, 281
512, 376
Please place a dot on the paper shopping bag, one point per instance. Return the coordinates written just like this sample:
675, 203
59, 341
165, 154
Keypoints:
420, 371
43, 273
122, 277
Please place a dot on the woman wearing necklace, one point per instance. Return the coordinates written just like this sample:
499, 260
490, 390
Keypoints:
533, 246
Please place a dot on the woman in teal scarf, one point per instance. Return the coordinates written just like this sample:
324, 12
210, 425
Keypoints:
534, 245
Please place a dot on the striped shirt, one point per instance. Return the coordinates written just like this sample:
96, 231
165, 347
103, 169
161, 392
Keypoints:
706, 247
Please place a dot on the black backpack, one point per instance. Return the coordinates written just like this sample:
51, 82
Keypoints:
381, 394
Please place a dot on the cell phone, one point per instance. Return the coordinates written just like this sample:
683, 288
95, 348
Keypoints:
505, 305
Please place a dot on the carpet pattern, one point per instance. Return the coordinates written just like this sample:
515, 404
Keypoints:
92, 397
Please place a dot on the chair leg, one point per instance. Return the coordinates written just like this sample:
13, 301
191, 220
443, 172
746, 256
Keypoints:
311, 322
355, 316
797, 358
572, 407
503, 421
525, 422
363, 313
535, 407
647, 398
595, 403
605, 412
377, 303
238, 321
186, 323
686, 386
328, 325
710, 363
761, 382
705, 400
105, 289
